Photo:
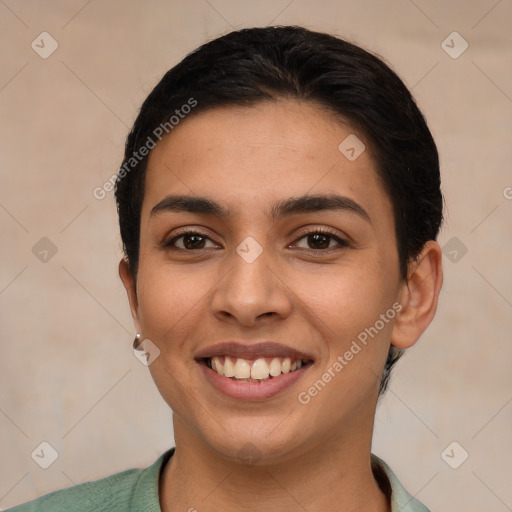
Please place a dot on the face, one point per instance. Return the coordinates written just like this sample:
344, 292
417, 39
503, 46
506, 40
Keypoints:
262, 278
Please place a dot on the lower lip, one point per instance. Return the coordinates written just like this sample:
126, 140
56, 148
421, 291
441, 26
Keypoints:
244, 390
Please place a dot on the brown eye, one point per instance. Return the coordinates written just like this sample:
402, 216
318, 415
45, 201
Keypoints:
320, 240
190, 241
193, 241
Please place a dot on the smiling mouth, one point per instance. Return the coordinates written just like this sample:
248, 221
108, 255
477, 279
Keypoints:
254, 370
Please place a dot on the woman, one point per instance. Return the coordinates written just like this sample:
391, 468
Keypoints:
279, 202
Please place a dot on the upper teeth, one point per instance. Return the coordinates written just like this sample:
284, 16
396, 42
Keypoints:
260, 369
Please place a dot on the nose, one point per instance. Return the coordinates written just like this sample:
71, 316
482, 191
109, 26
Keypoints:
250, 293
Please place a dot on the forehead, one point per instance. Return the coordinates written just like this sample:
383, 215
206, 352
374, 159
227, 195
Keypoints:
245, 156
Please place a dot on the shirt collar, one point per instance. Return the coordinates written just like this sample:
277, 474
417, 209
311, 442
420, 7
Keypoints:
401, 500
145, 493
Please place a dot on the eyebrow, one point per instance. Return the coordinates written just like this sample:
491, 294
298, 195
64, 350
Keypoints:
281, 209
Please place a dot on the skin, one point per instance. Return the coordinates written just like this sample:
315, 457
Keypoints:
312, 457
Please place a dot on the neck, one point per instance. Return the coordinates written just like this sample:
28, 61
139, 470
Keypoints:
335, 475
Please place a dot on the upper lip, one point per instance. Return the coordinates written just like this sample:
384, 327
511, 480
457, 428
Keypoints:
252, 351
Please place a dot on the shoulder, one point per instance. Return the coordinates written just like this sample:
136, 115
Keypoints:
118, 492
103, 494
401, 500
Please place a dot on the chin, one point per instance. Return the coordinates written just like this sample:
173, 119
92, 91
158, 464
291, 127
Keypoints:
255, 444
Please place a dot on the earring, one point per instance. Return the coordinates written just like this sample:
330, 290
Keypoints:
136, 342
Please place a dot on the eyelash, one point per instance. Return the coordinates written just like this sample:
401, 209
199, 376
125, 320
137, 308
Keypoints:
321, 231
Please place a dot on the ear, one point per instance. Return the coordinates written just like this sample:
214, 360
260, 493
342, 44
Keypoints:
129, 285
418, 296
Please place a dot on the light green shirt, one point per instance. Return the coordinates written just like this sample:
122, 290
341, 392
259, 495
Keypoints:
136, 490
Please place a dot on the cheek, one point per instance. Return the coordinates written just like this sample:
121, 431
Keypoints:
171, 301
349, 299
354, 314
171, 307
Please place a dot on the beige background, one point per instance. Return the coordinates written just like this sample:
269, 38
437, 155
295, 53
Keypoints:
68, 373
